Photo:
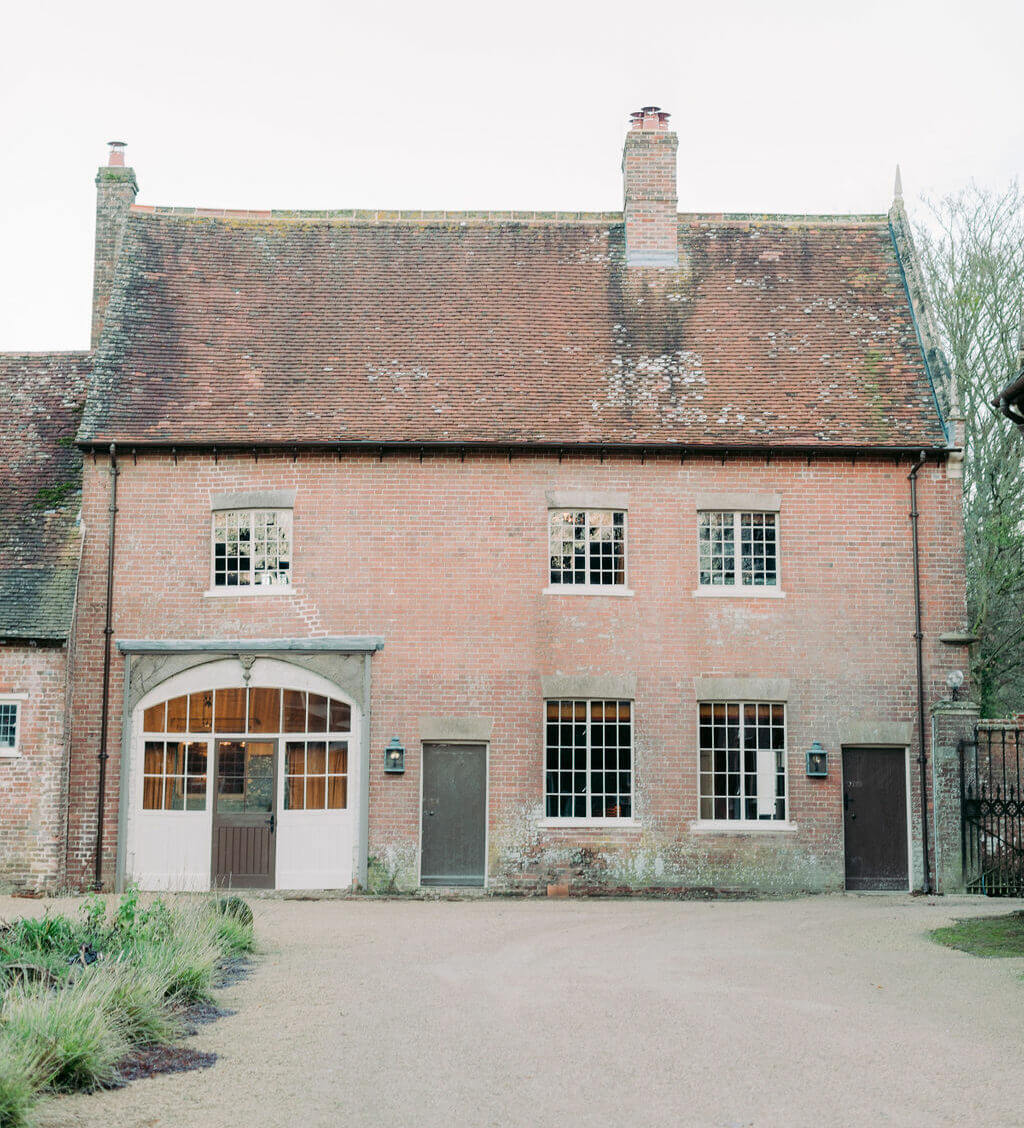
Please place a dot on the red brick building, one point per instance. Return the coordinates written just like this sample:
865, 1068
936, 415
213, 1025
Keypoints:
509, 548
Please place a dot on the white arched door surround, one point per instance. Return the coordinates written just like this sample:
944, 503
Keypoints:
174, 792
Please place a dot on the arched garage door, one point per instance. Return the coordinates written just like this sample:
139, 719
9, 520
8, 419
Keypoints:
243, 779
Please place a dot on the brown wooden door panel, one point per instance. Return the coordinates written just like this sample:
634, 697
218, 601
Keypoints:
454, 814
245, 814
875, 818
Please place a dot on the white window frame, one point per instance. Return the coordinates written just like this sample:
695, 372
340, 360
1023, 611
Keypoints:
739, 588
555, 821
251, 589
589, 588
17, 700
764, 825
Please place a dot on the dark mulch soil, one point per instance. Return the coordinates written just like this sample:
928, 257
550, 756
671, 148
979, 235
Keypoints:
161, 1059
200, 1014
233, 971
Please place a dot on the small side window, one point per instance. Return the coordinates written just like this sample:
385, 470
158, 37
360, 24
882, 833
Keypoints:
252, 548
10, 722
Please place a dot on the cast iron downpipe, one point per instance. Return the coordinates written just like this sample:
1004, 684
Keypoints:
919, 639
105, 702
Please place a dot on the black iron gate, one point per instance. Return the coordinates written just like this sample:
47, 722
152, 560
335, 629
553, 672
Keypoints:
992, 811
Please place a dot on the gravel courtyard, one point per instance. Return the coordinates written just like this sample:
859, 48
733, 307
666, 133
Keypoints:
825, 1011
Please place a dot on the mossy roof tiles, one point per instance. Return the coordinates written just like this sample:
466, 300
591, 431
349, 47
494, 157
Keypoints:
41, 398
277, 328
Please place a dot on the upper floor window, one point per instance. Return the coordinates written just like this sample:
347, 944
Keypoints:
252, 548
739, 549
10, 717
742, 760
589, 759
587, 547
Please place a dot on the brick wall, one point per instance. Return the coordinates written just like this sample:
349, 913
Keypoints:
649, 191
447, 560
32, 784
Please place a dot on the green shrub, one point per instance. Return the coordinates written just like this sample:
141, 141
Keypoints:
235, 907
69, 1033
233, 934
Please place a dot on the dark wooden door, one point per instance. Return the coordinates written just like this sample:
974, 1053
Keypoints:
454, 814
875, 817
245, 814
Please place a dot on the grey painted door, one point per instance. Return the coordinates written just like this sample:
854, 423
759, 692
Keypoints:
875, 817
244, 814
454, 814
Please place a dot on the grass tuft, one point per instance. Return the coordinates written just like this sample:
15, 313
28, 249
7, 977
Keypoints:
69, 1033
76, 996
139, 1003
992, 936
19, 1084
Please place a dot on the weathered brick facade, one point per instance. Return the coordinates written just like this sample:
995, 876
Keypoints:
446, 559
33, 794
425, 383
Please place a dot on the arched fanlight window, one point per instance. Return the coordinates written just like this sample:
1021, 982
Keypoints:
314, 731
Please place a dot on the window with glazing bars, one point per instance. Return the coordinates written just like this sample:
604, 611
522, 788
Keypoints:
252, 548
8, 727
738, 549
742, 760
588, 759
588, 547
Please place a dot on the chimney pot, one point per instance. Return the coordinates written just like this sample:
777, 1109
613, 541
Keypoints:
116, 158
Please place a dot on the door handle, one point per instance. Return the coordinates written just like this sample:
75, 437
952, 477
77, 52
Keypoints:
430, 812
271, 823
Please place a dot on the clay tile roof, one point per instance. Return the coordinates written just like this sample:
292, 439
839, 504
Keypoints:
41, 398
371, 327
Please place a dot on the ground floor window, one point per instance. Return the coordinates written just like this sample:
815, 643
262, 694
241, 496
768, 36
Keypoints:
9, 711
588, 759
316, 775
742, 760
174, 776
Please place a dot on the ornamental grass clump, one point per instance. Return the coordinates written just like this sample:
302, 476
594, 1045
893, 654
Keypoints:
19, 1084
78, 996
69, 1033
139, 1003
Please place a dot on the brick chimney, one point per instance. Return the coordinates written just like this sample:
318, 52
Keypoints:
649, 188
115, 193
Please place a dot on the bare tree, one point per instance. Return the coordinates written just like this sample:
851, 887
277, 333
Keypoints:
971, 251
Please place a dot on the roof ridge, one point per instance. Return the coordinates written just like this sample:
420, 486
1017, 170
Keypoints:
40, 354
496, 215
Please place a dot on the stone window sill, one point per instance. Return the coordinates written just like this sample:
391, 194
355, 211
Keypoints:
586, 589
247, 592
723, 592
589, 823
740, 826
10, 754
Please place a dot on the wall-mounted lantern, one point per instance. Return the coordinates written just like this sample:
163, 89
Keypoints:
394, 756
817, 760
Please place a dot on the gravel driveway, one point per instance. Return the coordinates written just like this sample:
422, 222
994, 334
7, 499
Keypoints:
825, 1011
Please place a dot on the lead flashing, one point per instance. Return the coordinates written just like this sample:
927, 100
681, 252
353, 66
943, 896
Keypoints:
338, 643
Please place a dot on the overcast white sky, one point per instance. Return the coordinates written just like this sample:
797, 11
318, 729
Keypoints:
788, 106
